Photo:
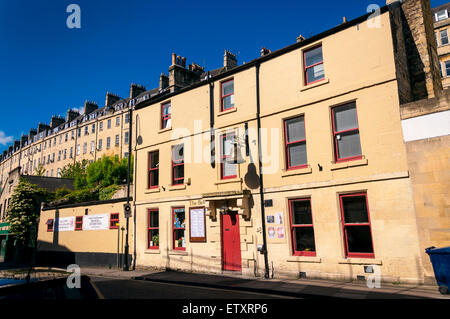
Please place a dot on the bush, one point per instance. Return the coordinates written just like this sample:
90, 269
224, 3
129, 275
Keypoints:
106, 193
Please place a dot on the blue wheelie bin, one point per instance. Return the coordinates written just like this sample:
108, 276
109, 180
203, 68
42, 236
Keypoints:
440, 259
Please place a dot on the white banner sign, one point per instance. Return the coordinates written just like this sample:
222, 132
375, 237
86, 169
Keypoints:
96, 222
65, 224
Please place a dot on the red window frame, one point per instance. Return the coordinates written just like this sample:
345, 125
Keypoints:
174, 229
79, 223
305, 68
177, 180
113, 220
167, 116
150, 228
223, 157
345, 225
152, 170
295, 252
50, 226
336, 133
287, 144
222, 97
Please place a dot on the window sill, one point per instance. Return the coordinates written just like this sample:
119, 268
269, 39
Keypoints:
234, 109
164, 130
350, 163
313, 85
294, 172
228, 181
360, 261
177, 187
304, 259
152, 251
152, 190
178, 253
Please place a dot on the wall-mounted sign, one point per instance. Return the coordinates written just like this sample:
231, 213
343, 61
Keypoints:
65, 224
96, 222
197, 225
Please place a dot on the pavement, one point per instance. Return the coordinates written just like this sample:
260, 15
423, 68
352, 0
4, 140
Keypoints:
300, 288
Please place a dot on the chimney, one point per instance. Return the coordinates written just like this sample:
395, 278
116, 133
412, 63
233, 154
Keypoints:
300, 38
111, 98
23, 139
229, 60
136, 89
163, 81
420, 46
265, 51
179, 76
71, 115
42, 127
89, 107
32, 133
56, 120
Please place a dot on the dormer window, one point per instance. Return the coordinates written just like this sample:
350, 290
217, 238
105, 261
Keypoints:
441, 15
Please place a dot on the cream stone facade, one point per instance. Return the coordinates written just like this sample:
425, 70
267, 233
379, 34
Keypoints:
442, 30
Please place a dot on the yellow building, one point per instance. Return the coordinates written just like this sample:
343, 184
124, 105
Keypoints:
441, 29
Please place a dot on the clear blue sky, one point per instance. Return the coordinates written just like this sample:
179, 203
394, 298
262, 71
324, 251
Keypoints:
47, 68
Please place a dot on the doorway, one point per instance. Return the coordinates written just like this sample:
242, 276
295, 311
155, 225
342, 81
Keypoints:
231, 241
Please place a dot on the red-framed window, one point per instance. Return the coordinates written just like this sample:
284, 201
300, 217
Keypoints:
295, 143
178, 164
153, 169
302, 228
114, 221
347, 144
313, 65
179, 228
228, 170
153, 229
356, 225
50, 224
79, 223
166, 115
227, 95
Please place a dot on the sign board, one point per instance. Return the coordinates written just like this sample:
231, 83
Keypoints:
96, 222
197, 225
65, 224
275, 228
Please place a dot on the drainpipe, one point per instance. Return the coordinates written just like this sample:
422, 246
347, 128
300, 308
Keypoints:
211, 121
261, 184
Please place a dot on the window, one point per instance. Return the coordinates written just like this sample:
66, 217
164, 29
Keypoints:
59, 155
444, 37
447, 67
440, 69
302, 230
179, 240
86, 130
65, 154
126, 138
92, 146
109, 123
228, 170
79, 133
295, 142
108, 142
346, 133
85, 148
127, 118
93, 128
71, 152
79, 223
117, 140
78, 149
50, 143
166, 116
153, 169
441, 15
313, 65
101, 126
72, 135
356, 225
178, 164
153, 229
66, 137
227, 95
100, 144
50, 223
117, 121
114, 221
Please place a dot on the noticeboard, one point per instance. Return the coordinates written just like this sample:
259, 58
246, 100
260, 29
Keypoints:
197, 225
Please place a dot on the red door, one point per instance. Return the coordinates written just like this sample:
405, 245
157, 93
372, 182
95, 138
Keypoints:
231, 242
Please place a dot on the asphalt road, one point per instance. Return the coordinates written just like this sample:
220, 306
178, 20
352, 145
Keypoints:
114, 288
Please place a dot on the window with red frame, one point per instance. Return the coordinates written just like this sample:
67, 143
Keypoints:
302, 230
50, 224
179, 228
356, 225
313, 65
227, 95
153, 229
295, 142
228, 170
114, 221
178, 164
79, 223
153, 169
166, 115
347, 145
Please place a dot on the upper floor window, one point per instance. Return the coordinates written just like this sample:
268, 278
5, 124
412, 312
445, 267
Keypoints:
441, 15
127, 118
101, 126
93, 128
166, 115
228, 170
227, 95
347, 143
117, 121
153, 169
117, 139
447, 67
178, 164
108, 142
100, 144
109, 123
295, 142
86, 130
444, 37
313, 65
126, 138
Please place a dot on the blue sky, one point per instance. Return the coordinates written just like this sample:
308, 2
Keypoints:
47, 68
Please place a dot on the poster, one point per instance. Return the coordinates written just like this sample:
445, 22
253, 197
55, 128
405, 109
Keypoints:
96, 222
279, 218
270, 219
280, 232
271, 232
65, 224
197, 225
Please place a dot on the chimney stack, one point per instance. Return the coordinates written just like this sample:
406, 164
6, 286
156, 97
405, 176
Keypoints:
136, 89
32, 133
42, 127
163, 81
229, 60
56, 120
89, 107
71, 115
179, 76
111, 98
265, 51
300, 38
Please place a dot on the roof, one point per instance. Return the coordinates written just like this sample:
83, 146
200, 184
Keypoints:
49, 183
440, 8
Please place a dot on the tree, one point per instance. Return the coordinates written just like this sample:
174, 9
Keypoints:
23, 211
77, 172
40, 171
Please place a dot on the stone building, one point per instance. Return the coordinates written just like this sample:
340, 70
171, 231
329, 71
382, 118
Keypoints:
441, 20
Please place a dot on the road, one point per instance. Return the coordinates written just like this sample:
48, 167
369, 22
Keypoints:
114, 288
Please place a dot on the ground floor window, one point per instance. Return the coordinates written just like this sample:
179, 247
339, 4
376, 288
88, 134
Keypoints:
153, 229
50, 225
302, 230
79, 223
356, 225
114, 221
178, 222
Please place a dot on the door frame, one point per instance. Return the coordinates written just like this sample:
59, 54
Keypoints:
222, 241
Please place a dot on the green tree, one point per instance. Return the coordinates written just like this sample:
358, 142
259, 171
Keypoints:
40, 171
77, 172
